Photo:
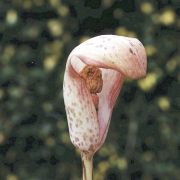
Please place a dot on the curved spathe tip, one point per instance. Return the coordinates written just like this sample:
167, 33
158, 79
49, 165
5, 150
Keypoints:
117, 57
124, 54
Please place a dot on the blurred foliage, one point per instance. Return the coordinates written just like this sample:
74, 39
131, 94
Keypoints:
36, 37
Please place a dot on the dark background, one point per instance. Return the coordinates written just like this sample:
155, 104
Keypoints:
36, 37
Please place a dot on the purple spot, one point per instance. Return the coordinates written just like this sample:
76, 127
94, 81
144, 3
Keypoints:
90, 130
76, 139
131, 51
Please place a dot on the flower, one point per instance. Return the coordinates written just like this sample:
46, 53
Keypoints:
94, 75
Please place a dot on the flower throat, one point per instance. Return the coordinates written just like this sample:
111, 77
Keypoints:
94, 82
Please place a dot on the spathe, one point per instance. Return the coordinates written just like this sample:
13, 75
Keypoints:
117, 57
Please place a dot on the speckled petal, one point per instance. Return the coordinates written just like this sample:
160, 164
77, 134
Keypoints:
80, 110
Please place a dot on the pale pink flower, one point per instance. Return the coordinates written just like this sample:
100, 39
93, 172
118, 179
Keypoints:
117, 57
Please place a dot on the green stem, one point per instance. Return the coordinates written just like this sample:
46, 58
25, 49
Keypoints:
87, 164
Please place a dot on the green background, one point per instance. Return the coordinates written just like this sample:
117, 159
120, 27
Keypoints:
36, 37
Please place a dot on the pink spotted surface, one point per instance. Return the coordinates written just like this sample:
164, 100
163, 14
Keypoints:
117, 57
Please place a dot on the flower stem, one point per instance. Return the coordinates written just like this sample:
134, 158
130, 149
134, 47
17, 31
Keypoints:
87, 165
